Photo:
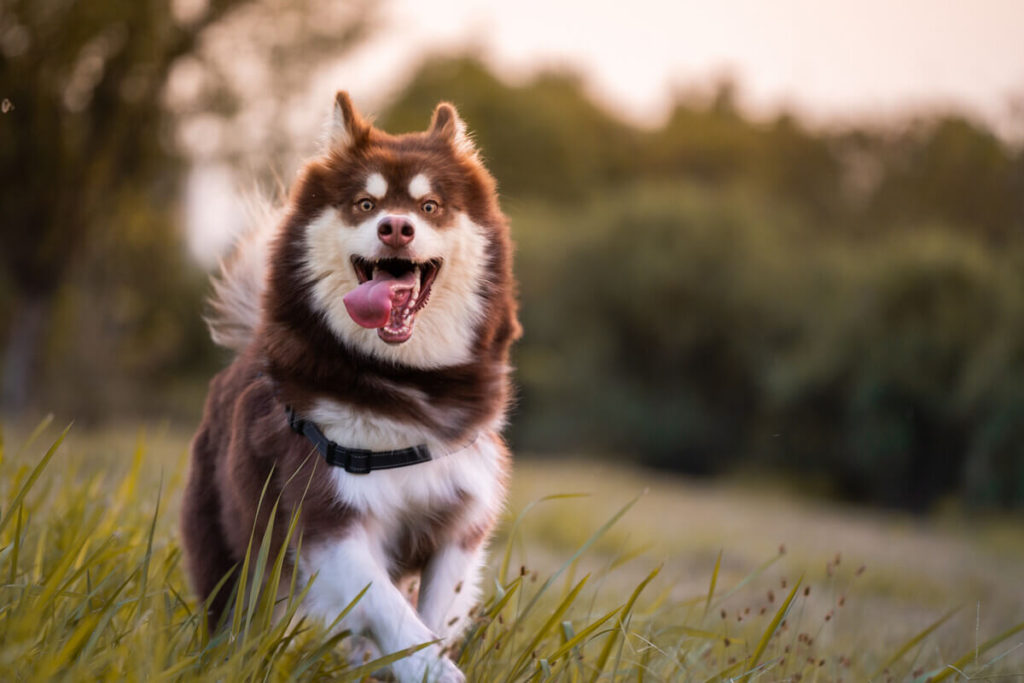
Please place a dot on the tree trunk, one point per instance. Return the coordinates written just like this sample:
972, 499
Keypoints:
26, 338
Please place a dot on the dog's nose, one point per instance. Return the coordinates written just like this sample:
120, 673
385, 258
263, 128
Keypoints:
395, 231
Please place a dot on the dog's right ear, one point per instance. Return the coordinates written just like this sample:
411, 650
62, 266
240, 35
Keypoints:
347, 127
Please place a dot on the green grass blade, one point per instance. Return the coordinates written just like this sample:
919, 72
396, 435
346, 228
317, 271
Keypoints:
747, 579
106, 614
479, 626
711, 588
551, 622
257, 588
51, 588
606, 651
36, 471
773, 626
578, 638
130, 483
274, 579
36, 432
506, 558
913, 642
144, 579
601, 531
984, 647
364, 670
16, 549
243, 576
724, 673
349, 607
328, 644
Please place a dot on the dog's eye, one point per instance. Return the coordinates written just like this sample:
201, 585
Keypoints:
430, 206
365, 204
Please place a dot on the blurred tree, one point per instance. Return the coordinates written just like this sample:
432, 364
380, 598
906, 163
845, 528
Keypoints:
953, 170
89, 130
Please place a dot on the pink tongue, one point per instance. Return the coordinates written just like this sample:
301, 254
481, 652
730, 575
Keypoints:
370, 303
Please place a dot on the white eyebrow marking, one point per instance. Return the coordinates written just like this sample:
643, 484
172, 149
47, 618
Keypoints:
376, 185
419, 186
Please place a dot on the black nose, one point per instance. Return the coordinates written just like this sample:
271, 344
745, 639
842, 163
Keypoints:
395, 231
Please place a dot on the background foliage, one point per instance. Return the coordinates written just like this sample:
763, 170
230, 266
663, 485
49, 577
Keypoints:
712, 294
106, 104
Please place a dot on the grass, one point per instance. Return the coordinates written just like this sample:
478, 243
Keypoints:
646, 579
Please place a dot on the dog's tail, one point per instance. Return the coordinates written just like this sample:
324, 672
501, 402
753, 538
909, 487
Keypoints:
234, 307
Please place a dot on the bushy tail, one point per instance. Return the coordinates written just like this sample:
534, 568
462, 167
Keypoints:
234, 312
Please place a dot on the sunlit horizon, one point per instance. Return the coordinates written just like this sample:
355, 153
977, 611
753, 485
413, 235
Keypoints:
830, 62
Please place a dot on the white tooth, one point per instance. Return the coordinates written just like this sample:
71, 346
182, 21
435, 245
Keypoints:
416, 284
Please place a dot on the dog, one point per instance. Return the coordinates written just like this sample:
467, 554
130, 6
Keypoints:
372, 327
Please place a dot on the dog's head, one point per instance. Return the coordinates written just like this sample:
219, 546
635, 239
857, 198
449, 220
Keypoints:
397, 243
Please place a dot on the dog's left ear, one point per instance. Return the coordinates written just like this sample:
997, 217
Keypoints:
447, 125
347, 127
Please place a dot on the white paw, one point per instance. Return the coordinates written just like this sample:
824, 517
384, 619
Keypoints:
427, 665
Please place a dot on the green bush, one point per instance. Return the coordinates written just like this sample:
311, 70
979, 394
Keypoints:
700, 329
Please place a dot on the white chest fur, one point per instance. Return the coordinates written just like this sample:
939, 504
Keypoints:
459, 473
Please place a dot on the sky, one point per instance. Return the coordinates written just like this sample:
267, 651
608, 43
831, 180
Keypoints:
831, 60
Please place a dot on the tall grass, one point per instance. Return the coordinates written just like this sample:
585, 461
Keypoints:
91, 588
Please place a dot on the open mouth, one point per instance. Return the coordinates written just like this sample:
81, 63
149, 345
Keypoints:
391, 292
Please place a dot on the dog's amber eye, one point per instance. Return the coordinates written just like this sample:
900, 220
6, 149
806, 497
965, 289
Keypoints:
365, 204
430, 206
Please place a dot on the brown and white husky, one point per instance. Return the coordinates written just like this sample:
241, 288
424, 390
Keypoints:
372, 326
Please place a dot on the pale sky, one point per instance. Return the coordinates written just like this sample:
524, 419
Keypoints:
832, 59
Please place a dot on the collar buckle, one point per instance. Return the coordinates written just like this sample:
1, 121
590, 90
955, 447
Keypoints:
356, 461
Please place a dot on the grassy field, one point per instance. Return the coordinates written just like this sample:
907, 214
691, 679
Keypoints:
598, 573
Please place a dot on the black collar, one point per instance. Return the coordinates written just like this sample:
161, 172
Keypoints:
356, 460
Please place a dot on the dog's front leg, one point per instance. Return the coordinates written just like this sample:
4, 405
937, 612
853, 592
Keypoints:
449, 588
344, 567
